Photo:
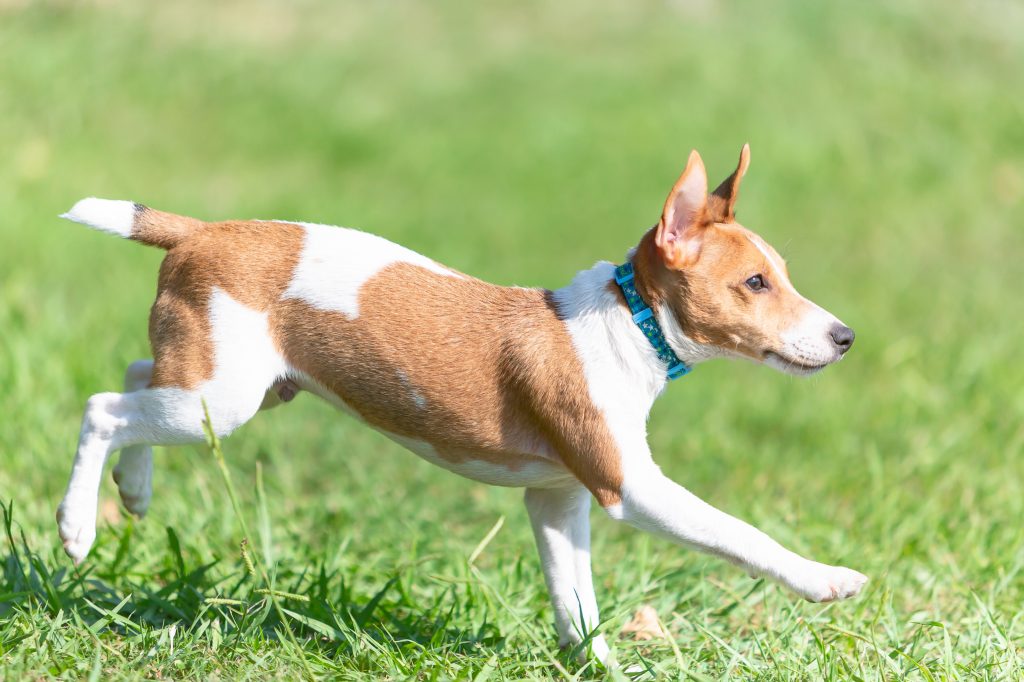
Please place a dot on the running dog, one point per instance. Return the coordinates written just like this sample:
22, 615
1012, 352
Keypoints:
545, 390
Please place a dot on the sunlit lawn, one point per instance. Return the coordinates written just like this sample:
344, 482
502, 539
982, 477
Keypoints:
521, 142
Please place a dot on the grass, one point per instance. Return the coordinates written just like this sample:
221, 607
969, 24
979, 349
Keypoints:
521, 142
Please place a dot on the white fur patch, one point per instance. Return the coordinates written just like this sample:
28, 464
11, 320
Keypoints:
623, 372
246, 364
337, 261
615, 511
808, 342
106, 215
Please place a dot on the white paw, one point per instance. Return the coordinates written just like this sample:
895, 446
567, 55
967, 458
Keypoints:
136, 503
822, 583
77, 526
136, 488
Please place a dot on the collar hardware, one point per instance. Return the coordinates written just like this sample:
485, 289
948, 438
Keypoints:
644, 318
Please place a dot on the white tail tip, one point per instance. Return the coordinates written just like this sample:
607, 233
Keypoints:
108, 215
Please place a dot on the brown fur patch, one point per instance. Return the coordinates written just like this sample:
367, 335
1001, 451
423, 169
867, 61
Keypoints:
251, 261
722, 202
475, 370
165, 230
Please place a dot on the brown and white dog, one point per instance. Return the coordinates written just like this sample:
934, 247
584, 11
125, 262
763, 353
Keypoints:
546, 390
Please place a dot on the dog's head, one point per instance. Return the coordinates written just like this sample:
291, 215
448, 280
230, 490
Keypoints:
727, 287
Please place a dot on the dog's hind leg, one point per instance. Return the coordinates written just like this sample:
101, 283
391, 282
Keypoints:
170, 411
561, 525
155, 416
134, 470
112, 421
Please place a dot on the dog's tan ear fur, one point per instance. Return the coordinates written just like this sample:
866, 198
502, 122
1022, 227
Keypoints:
722, 202
685, 216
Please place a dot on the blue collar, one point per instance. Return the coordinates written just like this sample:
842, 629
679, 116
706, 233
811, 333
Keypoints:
648, 323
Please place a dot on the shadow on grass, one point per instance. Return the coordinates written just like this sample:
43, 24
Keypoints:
327, 618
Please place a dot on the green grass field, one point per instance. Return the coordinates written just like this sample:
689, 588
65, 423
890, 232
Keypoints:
521, 142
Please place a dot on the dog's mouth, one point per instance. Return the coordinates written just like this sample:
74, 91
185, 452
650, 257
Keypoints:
791, 366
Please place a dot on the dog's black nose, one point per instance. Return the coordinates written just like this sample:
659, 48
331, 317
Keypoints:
842, 336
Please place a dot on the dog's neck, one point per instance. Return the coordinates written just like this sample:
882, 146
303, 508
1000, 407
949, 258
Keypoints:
610, 343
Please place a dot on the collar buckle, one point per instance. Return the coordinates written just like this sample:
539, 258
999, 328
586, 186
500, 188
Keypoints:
644, 314
678, 370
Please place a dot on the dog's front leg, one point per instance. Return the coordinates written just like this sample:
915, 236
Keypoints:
561, 526
655, 503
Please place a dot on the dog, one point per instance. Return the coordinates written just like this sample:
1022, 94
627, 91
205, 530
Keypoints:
545, 390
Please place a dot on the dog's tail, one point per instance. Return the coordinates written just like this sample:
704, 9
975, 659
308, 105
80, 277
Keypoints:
134, 221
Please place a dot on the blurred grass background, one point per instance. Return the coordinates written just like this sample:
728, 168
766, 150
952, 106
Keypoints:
520, 143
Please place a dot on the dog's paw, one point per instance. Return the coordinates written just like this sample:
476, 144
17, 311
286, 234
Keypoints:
136, 504
135, 487
821, 583
77, 527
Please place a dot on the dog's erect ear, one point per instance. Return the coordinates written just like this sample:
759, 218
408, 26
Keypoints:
684, 217
722, 204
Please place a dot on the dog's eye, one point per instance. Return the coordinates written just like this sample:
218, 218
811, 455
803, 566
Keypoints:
756, 283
